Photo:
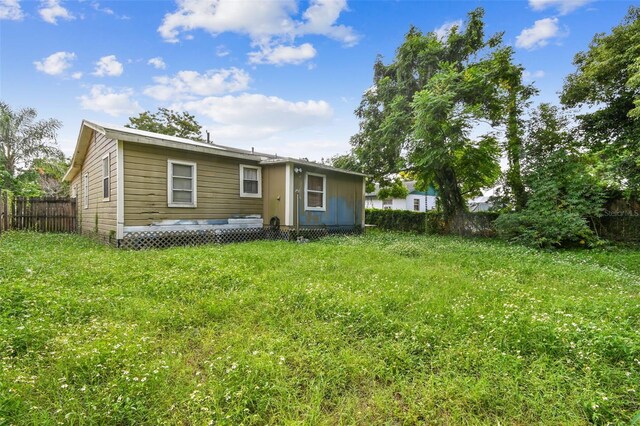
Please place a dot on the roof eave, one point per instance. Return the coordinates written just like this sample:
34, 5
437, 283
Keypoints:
158, 141
81, 149
310, 164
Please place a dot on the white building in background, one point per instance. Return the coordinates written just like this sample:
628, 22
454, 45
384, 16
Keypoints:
419, 201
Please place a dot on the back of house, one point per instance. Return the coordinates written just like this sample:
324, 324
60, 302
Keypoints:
131, 181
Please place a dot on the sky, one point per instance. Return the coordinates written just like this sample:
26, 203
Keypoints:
282, 76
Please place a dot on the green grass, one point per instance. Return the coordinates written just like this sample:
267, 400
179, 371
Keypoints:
384, 328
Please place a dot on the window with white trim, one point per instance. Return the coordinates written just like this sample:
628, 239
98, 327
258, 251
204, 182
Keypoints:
85, 191
250, 181
181, 183
106, 178
416, 204
387, 203
315, 192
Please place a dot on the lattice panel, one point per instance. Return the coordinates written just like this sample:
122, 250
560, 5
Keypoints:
165, 239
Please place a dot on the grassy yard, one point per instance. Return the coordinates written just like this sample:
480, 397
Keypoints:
384, 328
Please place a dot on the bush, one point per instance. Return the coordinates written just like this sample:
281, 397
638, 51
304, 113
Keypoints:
397, 220
431, 222
552, 229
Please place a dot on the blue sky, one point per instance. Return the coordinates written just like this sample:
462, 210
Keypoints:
280, 76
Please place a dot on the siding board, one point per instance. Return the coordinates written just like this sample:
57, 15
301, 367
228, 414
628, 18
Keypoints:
105, 211
145, 189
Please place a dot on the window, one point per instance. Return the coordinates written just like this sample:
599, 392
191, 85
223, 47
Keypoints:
181, 184
416, 204
250, 181
387, 203
74, 191
105, 178
315, 193
85, 191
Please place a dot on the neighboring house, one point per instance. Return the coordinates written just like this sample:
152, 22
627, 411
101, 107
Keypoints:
129, 180
480, 204
419, 201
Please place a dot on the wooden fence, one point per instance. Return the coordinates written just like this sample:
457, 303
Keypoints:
46, 214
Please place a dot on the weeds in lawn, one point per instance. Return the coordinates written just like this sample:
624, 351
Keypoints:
380, 328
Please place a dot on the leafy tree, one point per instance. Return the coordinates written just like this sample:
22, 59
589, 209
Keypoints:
396, 189
24, 139
168, 122
607, 77
563, 192
43, 178
422, 108
344, 161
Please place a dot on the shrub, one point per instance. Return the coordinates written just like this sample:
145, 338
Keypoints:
555, 228
398, 220
431, 222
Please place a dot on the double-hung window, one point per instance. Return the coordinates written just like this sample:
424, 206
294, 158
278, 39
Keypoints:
106, 179
85, 191
315, 193
416, 204
181, 184
387, 203
250, 181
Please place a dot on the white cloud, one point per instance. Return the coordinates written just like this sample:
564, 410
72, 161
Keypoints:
222, 51
157, 62
254, 116
539, 34
188, 84
55, 64
51, 10
108, 66
107, 100
10, 10
320, 18
280, 55
442, 32
262, 21
107, 11
530, 76
76, 75
563, 6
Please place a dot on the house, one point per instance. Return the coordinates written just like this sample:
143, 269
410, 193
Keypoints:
129, 181
419, 201
480, 204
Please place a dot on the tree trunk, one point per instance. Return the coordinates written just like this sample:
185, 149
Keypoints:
453, 204
514, 148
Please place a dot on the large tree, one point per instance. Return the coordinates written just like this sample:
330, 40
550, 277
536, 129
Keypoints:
24, 139
168, 122
607, 79
423, 112
562, 190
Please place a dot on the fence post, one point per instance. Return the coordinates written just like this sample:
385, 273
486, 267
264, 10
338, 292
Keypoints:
2, 210
6, 211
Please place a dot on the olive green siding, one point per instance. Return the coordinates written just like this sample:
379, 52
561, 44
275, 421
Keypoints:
344, 199
273, 192
100, 215
218, 186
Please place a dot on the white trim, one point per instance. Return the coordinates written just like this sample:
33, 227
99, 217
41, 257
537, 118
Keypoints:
120, 193
85, 191
364, 198
324, 192
249, 194
108, 176
288, 195
194, 184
